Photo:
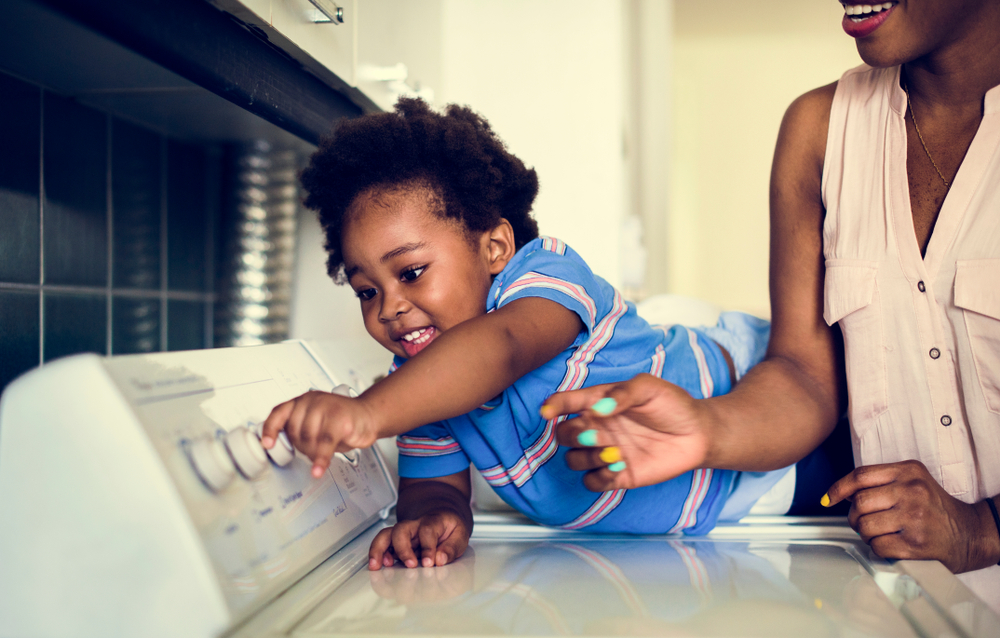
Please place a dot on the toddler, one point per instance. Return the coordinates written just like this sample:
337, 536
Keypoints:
427, 217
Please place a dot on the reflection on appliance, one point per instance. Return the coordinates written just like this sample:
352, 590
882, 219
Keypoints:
619, 586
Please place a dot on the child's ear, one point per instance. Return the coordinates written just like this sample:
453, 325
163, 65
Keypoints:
501, 246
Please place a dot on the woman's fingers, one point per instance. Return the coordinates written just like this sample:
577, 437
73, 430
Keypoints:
593, 458
864, 477
574, 401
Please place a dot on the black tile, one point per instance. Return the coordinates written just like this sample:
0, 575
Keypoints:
136, 204
20, 149
75, 209
18, 333
186, 325
75, 323
187, 208
135, 325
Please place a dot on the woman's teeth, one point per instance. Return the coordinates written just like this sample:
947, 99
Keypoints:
417, 336
858, 12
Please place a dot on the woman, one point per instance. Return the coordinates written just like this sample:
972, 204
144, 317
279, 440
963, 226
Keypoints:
885, 219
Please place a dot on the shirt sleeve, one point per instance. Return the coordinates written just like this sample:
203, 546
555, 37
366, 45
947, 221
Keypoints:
430, 451
561, 277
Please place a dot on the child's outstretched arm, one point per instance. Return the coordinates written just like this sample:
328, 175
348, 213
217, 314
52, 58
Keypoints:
462, 369
434, 522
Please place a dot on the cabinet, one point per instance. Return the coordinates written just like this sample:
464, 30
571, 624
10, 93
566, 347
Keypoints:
382, 49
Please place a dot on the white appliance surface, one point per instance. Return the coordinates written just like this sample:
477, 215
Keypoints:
111, 527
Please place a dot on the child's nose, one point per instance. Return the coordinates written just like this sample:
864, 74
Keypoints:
393, 306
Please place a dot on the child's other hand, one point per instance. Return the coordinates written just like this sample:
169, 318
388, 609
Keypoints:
435, 539
319, 424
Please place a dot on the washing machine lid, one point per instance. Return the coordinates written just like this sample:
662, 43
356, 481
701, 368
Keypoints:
768, 577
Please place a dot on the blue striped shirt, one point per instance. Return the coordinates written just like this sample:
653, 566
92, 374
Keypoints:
515, 449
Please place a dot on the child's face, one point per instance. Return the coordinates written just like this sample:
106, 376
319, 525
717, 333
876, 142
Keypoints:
416, 274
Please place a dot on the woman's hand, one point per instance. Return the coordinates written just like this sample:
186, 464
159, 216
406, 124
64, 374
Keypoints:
653, 431
319, 424
902, 512
434, 539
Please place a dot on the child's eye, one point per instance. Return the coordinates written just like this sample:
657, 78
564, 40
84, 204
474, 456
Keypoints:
365, 294
412, 273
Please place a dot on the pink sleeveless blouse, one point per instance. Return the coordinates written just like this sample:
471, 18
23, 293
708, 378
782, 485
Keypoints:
921, 335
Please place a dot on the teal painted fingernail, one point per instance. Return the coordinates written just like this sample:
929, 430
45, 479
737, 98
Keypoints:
617, 467
605, 406
587, 438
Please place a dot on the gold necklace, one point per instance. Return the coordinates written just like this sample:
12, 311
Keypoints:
920, 137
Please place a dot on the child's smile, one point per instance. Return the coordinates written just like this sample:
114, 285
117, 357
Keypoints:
417, 274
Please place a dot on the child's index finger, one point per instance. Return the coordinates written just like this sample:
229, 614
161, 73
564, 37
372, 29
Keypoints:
275, 423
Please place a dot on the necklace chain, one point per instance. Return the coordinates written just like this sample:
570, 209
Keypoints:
921, 138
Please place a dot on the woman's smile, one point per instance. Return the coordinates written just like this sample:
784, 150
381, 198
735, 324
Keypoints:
861, 20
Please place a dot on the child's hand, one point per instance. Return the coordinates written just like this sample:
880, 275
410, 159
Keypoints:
319, 424
439, 538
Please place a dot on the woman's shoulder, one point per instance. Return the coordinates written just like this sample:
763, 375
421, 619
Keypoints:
811, 109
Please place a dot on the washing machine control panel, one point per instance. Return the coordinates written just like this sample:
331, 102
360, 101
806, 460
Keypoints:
263, 519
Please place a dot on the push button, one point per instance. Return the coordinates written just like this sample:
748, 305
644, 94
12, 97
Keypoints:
935, 353
921, 287
946, 420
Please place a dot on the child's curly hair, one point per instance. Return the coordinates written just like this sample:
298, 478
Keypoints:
457, 154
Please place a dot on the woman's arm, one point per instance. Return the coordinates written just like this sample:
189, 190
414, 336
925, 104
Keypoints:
792, 400
782, 408
463, 368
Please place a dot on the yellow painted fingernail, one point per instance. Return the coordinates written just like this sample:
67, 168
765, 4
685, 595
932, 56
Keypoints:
818, 603
545, 411
610, 454
825, 501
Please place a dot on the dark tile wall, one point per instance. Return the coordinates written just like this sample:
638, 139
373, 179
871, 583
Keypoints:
107, 233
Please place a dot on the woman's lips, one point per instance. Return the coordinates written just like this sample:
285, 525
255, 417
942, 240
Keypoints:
867, 26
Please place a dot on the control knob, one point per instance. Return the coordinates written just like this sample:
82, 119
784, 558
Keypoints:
353, 456
247, 452
213, 465
282, 451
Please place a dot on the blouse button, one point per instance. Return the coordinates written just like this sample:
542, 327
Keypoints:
946, 420
935, 353
921, 287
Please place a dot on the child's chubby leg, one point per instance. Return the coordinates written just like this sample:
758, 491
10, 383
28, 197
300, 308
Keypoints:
434, 523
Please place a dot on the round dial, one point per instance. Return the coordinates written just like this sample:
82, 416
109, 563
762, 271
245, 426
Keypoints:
282, 451
247, 452
345, 390
213, 465
352, 456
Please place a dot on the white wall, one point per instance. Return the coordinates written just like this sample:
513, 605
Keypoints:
737, 67
548, 76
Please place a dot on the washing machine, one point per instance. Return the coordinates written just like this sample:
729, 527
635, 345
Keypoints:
136, 500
